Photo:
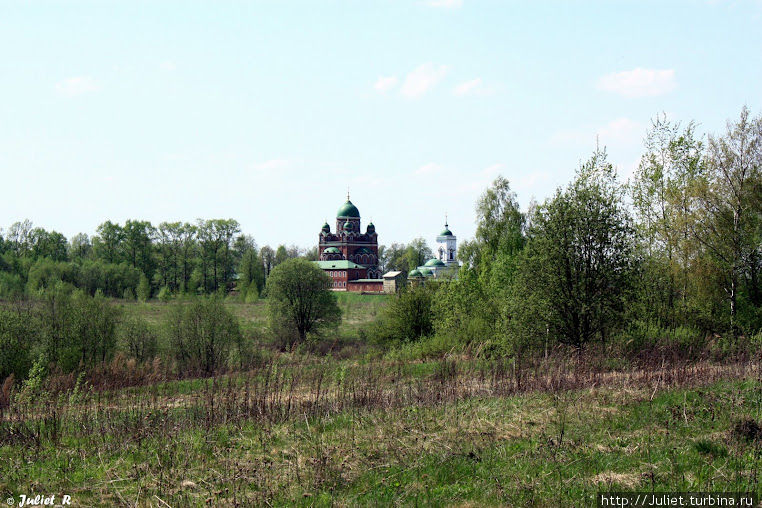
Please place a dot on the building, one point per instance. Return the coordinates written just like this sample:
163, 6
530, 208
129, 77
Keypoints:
394, 281
445, 264
348, 255
447, 249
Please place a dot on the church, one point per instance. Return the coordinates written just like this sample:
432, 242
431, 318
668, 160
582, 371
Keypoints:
348, 255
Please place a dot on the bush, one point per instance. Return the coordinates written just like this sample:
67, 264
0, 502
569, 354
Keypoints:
139, 340
144, 288
202, 333
407, 316
165, 295
17, 335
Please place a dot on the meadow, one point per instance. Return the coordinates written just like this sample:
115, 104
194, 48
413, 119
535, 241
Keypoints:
370, 429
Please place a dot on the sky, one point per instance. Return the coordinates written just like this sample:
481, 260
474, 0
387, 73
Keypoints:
269, 111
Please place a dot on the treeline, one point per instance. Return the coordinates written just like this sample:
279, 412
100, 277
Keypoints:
672, 257
139, 260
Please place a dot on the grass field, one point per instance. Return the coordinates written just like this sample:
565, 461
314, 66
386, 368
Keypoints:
439, 433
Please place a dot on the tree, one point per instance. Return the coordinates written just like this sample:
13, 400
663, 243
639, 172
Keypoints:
417, 253
727, 221
144, 288
80, 247
500, 227
267, 258
662, 192
281, 255
137, 245
215, 237
46, 244
393, 258
299, 298
574, 276
250, 270
107, 244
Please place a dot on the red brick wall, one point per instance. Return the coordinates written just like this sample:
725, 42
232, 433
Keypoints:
370, 287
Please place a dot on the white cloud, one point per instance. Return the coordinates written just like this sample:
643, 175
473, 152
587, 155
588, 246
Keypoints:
639, 82
385, 83
473, 87
446, 4
423, 79
77, 86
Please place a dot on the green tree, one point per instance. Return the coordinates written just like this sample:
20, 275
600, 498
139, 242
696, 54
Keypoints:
299, 298
107, 244
572, 282
144, 289
662, 191
417, 253
726, 222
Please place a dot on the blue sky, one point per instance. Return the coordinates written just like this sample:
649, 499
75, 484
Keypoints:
267, 111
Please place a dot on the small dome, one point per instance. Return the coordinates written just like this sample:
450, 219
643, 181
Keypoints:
446, 232
332, 250
426, 272
348, 226
434, 262
371, 227
348, 210
415, 273
326, 228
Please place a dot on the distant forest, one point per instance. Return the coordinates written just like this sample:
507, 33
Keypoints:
139, 260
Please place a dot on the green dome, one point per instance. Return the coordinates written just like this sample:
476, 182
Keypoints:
426, 272
415, 273
348, 225
371, 226
348, 210
326, 227
332, 250
446, 232
434, 262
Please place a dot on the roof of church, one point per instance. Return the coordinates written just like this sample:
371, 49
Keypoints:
339, 264
434, 262
446, 232
348, 210
332, 250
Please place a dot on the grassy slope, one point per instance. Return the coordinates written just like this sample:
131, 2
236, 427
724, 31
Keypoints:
538, 448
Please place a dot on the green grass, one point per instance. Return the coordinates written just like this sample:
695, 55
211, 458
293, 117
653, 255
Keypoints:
544, 449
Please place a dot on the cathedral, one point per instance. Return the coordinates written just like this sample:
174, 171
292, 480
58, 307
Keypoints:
348, 255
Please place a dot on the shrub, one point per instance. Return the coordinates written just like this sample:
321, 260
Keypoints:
201, 333
139, 340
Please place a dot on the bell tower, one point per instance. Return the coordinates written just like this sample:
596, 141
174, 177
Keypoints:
447, 248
